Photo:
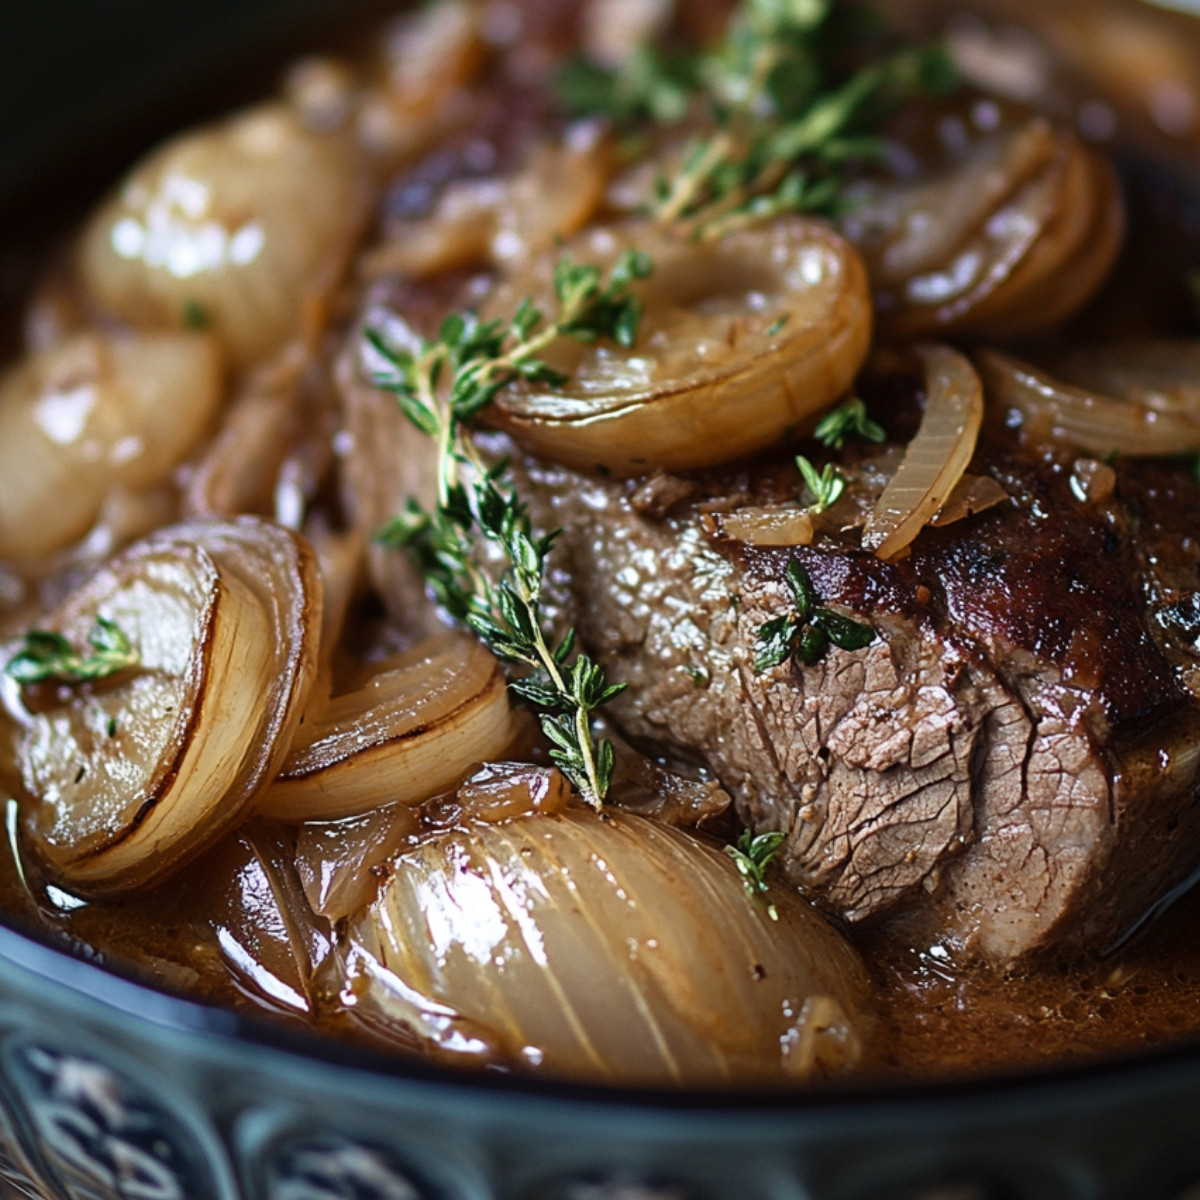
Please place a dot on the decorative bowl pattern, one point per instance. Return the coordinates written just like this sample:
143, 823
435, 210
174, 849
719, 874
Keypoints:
109, 1091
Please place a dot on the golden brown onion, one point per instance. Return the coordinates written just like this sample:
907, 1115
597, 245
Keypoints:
934, 461
1162, 417
971, 494
744, 341
235, 226
429, 55
92, 415
601, 946
1159, 373
338, 862
478, 222
763, 525
129, 777
247, 892
1012, 235
414, 727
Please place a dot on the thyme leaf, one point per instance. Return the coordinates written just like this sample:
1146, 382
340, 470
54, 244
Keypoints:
796, 92
50, 656
846, 421
807, 632
442, 386
826, 486
752, 854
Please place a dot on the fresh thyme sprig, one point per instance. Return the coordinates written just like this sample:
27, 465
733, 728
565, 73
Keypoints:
752, 854
846, 421
808, 630
442, 386
792, 104
826, 485
50, 656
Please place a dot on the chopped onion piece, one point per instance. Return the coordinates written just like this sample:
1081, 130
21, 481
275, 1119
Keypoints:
744, 341
414, 727
1149, 422
130, 777
602, 946
935, 459
972, 494
340, 862
499, 791
768, 525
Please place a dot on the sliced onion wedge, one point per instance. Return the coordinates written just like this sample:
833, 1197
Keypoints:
1160, 417
600, 946
92, 414
935, 459
132, 776
414, 727
744, 341
1011, 234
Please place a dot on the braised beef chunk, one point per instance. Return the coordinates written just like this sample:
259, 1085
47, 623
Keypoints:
1011, 764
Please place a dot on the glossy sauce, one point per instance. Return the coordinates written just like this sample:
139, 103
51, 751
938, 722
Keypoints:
936, 1017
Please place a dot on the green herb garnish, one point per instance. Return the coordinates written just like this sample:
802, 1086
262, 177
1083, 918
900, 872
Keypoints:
826, 486
846, 421
650, 86
195, 315
792, 101
442, 387
752, 854
808, 630
50, 656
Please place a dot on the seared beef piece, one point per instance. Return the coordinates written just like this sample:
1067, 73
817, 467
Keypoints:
1011, 765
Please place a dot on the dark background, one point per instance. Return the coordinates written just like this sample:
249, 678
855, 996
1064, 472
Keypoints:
77, 75
86, 86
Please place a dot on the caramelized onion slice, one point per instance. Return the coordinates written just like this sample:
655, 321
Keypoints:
339, 862
935, 459
1162, 374
1159, 418
92, 414
247, 892
763, 525
132, 776
413, 728
232, 225
1011, 234
744, 341
607, 947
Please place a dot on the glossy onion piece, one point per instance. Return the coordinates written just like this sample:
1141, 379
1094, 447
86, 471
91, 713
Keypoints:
1158, 373
606, 947
413, 727
479, 222
1012, 237
1161, 417
338, 861
132, 776
763, 525
247, 892
233, 226
744, 341
93, 414
934, 461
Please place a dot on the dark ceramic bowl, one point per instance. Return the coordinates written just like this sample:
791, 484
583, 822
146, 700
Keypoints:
111, 1090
